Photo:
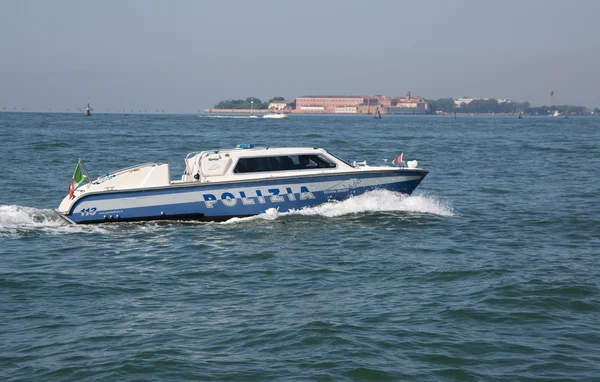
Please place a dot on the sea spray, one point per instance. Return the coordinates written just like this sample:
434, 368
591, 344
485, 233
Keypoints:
22, 220
369, 202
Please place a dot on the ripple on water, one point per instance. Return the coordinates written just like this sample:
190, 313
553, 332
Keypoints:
487, 272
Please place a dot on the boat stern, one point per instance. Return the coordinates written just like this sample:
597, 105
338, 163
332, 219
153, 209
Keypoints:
64, 208
139, 177
64, 205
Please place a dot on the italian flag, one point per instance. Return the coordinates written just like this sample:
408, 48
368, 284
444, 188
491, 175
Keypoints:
78, 177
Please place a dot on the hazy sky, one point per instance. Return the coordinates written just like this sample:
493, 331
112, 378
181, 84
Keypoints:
188, 55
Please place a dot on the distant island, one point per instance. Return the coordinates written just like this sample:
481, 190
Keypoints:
409, 104
500, 106
251, 103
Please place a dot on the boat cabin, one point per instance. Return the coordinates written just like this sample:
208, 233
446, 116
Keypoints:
245, 160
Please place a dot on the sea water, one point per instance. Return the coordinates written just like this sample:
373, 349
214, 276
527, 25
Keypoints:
489, 271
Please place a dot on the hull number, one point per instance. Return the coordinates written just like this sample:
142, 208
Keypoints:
88, 211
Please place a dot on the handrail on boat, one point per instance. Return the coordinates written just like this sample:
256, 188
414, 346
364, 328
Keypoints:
120, 171
133, 167
187, 170
196, 165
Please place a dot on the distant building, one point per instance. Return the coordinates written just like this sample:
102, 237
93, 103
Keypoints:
311, 108
464, 100
362, 104
346, 110
467, 101
327, 104
407, 105
280, 105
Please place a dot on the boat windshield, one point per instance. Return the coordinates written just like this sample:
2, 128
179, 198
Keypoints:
340, 159
282, 163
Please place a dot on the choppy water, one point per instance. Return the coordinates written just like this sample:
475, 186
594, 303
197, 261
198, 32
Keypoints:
490, 271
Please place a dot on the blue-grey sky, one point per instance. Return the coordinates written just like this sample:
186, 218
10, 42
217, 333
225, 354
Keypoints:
187, 55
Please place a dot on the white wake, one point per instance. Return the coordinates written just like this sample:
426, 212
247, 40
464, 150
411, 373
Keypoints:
19, 220
228, 116
373, 201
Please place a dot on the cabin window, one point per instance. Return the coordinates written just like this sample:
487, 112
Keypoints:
282, 163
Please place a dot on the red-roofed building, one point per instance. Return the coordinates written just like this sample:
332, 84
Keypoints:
328, 104
361, 104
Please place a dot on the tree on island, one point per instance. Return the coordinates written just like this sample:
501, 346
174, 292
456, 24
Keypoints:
248, 103
488, 106
445, 105
492, 106
545, 110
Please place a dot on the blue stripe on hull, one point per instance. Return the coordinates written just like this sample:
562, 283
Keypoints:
201, 209
207, 187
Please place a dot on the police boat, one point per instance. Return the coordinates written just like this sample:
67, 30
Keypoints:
221, 184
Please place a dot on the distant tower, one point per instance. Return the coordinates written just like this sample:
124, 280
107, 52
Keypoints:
550, 94
408, 96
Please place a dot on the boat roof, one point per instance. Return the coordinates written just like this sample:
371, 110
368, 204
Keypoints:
251, 150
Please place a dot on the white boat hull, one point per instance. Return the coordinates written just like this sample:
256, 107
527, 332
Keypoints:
275, 115
220, 201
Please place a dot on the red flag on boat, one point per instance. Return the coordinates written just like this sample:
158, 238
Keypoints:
398, 159
71, 189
